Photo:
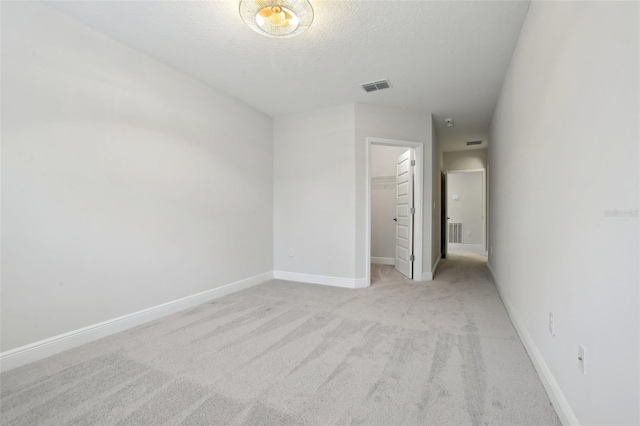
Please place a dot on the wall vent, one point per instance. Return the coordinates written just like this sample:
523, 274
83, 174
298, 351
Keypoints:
455, 233
376, 85
474, 143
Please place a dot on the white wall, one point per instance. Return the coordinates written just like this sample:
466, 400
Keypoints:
314, 192
564, 151
390, 123
320, 188
384, 160
125, 184
465, 160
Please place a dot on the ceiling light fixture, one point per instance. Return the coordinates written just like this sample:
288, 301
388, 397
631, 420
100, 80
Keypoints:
277, 18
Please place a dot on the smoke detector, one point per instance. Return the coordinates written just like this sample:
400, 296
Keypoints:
376, 85
448, 122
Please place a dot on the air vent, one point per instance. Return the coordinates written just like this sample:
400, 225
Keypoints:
384, 84
370, 87
474, 143
376, 85
455, 233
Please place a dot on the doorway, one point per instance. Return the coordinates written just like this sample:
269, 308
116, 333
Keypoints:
465, 206
443, 215
394, 214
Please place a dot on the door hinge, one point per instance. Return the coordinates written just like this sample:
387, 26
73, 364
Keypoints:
412, 258
413, 210
413, 162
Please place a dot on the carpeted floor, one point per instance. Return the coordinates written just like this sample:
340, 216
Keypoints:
442, 352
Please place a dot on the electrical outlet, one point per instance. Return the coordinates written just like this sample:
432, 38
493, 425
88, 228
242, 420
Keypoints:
582, 359
290, 252
552, 329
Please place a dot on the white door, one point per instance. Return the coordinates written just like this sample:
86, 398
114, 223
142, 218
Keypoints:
404, 213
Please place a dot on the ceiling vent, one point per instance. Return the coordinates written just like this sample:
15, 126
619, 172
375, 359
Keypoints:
474, 143
376, 85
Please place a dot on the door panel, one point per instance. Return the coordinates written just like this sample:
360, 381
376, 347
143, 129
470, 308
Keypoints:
404, 218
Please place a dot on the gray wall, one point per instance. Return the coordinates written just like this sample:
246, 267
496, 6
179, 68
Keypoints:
125, 184
564, 199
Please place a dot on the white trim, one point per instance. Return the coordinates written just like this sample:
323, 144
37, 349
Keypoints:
360, 283
44, 348
471, 248
320, 279
383, 260
417, 202
559, 401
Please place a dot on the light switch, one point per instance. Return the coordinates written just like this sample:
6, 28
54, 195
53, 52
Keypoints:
456, 197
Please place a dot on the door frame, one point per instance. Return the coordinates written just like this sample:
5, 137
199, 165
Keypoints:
417, 202
484, 207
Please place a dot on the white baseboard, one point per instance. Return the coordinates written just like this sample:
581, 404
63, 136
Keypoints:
361, 283
471, 248
383, 260
321, 279
559, 401
44, 348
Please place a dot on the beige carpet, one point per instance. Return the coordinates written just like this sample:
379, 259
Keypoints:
442, 352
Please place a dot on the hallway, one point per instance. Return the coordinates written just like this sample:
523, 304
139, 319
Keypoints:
399, 352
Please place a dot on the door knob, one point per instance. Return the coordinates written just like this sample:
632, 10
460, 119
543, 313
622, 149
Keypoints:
395, 219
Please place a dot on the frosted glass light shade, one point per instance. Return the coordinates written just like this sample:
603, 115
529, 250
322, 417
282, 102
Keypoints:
277, 18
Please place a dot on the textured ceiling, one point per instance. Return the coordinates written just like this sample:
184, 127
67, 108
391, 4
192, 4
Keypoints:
444, 57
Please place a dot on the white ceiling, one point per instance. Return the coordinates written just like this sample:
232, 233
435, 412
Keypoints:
444, 57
